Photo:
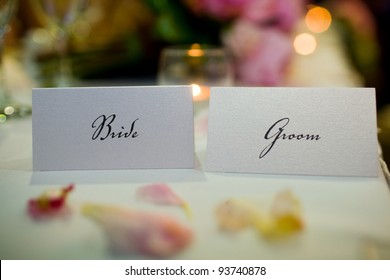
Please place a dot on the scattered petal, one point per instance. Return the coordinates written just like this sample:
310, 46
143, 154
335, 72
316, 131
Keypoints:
283, 219
140, 232
285, 216
162, 194
234, 215
49, 203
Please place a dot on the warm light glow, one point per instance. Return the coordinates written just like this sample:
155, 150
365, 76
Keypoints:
195, 50
196, 90
200, 93
305, 44
318, 19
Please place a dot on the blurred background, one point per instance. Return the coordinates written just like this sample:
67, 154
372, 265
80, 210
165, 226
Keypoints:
268, 42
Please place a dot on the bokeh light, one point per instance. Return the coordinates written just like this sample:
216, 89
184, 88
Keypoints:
3, 118
9, 110
305, 44
318, 19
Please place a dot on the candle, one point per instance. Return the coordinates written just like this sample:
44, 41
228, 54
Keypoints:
200, 93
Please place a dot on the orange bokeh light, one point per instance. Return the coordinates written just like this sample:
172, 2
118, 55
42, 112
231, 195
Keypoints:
318, 19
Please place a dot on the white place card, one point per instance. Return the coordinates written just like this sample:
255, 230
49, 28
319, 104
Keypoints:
113, 128
302, 131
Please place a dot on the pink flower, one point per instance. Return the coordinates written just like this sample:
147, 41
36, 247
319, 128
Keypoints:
288, 12
283, 13
223, 9
258, 37
267, 66
260, 55
260, 11
243, 38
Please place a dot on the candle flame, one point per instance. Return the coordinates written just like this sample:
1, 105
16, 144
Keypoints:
196, 90
195, 50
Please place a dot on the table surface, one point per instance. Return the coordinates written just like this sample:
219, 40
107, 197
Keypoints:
345, 217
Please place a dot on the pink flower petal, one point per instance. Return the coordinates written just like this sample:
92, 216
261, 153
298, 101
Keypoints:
140, 232
48, 203
162, 194
159, 194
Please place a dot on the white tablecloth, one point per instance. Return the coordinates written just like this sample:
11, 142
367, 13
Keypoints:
345, 217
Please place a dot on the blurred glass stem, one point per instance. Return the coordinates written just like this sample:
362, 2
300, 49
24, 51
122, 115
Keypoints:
64, 77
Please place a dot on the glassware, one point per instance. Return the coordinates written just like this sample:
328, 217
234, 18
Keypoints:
59, 16
198, 65
8, 107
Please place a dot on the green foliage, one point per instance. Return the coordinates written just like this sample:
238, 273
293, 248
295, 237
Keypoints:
175, 24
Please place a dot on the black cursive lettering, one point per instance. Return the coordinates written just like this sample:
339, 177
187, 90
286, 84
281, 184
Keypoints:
275, 132
104, 129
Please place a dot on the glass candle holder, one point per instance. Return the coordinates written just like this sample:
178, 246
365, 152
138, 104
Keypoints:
198, 65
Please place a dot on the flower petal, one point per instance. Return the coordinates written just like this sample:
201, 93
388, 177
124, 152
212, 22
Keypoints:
50, 202
162, 194
146, 233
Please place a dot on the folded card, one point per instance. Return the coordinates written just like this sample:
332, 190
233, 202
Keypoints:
113, 128
307, 131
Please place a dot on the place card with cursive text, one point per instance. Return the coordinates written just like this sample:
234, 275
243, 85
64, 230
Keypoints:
301, 131
113, 128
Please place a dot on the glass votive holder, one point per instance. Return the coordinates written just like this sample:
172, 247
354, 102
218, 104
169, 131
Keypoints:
198, 65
